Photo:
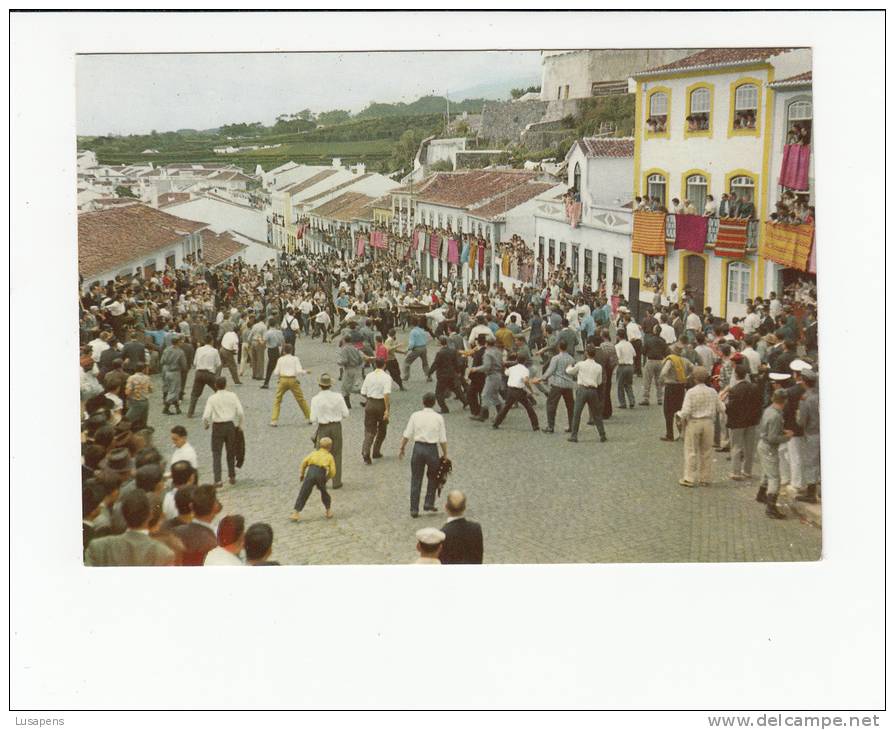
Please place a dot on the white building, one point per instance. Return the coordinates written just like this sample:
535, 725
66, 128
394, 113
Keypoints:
222, 215
704, 126
599, 247
86, 160
124, 239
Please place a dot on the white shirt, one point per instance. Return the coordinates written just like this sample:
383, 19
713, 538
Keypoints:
625, 352
479, 329
207, 358
328, 407
230, 341
754, 359
516, 376
288, 366
99, 346
290, 321
775, 308
633, 331
751, 323
185, 453
377, 384
223, 407
589, 372
219, 557
322, 317
426, 426
668, 333
673, 296
693, 322
305, 307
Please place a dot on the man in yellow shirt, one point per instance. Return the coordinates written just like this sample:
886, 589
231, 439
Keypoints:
317, 467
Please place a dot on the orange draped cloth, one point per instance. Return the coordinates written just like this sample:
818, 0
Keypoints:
788, 245
649, 234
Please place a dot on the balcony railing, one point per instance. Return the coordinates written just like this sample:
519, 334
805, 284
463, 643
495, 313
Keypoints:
712, 233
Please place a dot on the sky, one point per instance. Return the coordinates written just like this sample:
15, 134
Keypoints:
134, 94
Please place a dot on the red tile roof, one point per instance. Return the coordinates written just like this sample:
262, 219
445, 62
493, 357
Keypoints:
607, 146
168, 198
346, 207
218, 247
716, 57
347, 183
305, 184
462, 189
497, 207
111, 238
416, 188
797, 80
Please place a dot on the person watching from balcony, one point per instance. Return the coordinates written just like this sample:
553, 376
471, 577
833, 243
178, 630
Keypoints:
746, 209
676, 206
724, 207
734, 206
689, 208
710, 209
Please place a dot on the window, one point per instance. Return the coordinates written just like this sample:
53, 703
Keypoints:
562, 252
439, 220
739, 278
700, 110
697, 189
617, 270
576, 177
551, 249
559, 92
566, 94
450, 222
601, 266
655, 187
588, 267
540, 248
574, 266
799, 121
745, 107
654, 271
743, 185
170, 260
657, 123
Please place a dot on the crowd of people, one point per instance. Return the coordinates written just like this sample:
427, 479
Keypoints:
720, 385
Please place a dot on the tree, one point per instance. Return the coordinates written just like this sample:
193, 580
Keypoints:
441, 166
122, 191
516, 93
305, 114
335, 116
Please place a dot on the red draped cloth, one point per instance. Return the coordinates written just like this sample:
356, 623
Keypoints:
434, 245
453, 254
361, 245
794, 170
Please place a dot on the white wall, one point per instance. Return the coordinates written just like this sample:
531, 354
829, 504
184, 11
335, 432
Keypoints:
440, 150
221, 216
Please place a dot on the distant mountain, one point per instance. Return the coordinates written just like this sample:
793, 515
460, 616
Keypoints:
423, 105
495, 89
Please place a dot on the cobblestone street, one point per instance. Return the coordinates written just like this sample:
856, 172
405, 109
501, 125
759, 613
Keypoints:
540, 499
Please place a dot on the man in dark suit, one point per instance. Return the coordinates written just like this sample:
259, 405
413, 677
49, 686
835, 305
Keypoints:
463, 538
135, 546
445, 368
199, 536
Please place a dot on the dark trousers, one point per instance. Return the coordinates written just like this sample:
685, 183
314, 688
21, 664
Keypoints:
375, 428
137, 413
424, 459
638, 356
606, 387
445, 385
674, 399
393, 369
568, 397
334, 431
315, 476
200, 380
273, 354
594, 399
223, 434
520, 396
474, 393
625, 384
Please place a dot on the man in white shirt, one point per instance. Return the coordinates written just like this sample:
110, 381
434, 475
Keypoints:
287, 370
223, 414
376, 388
693, 325
229, 351
751, 355
328, 410
231, 535
625, 352
426, 430
183, 449
751, 322
518, 389
100, 345
322, 322
667, 331
635, 337
207, 362
590, 378
480, 328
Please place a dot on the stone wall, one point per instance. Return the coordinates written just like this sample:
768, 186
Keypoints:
505, 121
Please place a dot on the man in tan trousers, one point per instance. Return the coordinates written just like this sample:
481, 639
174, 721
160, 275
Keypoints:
288, 369
697, 415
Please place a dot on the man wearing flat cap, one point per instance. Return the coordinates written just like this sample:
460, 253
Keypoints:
429, 542
808, 419
328, 410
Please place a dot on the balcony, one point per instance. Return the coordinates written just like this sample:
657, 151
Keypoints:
712, 233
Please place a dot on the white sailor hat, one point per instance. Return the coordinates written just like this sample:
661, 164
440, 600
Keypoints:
780, 376
623, 309
430, 536
799, 365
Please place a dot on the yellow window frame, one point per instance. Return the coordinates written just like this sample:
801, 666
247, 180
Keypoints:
743, 81
656, 171
690, 173
702, 132
649, 98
